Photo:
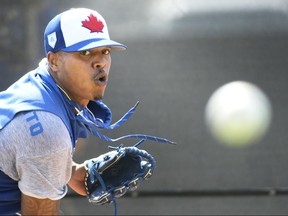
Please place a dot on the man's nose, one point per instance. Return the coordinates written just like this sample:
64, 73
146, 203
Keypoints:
98, 64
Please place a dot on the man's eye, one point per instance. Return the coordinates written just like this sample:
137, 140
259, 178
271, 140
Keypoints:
85, 53
106, 51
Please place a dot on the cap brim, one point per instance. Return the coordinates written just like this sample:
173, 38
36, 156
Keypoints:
87, 45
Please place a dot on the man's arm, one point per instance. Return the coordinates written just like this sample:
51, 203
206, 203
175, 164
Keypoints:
77, 178
33, 206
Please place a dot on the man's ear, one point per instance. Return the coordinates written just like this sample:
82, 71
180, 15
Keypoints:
53, 60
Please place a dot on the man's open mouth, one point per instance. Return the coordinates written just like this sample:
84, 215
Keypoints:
102, 79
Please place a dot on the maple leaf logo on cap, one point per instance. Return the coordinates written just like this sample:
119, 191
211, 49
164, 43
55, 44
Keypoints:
93, 24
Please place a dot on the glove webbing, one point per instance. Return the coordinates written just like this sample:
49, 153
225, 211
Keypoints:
135, 151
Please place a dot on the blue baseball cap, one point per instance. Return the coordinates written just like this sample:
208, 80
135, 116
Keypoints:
78, 29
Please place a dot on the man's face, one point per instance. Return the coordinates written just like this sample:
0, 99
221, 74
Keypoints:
83, 75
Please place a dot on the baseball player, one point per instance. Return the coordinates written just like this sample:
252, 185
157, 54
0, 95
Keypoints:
44, 113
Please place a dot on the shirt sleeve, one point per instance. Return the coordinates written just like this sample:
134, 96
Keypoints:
44, 165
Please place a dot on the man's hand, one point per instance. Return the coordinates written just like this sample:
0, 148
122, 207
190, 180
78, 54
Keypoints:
77, 179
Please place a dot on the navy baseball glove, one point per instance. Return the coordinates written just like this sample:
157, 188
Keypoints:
111, 175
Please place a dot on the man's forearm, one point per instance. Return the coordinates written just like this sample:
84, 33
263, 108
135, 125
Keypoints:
34, 206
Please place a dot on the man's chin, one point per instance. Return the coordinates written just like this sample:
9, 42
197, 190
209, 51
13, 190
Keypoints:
98, 97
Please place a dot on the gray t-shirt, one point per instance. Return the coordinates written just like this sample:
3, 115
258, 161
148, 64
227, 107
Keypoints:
36, 150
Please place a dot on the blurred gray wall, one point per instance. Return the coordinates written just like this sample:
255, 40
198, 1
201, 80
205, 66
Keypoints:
178, 53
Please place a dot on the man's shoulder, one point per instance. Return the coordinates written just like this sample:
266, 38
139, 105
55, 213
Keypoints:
41, 123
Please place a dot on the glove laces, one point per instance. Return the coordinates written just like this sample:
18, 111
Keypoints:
94, 125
